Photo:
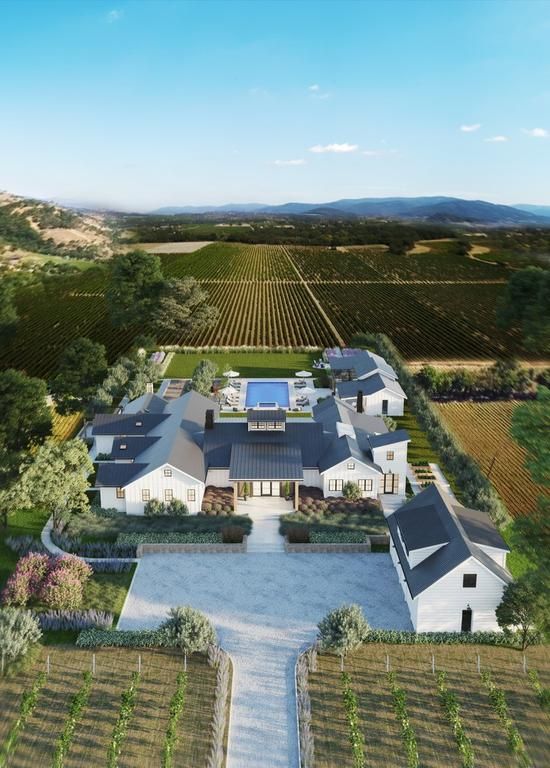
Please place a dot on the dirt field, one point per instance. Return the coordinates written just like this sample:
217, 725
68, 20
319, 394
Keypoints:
184, 247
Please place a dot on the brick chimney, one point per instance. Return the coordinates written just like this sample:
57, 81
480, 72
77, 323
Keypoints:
360, 401
209, 419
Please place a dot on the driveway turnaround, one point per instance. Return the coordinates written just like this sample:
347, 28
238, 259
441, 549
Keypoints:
265, 607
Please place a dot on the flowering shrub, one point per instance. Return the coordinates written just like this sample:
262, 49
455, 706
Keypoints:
74, 620
57, 581
62, 590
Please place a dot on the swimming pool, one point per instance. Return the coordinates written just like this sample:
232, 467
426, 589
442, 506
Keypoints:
267, 392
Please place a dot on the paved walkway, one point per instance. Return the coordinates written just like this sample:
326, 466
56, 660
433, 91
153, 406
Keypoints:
265, 513
265, 607
441, 480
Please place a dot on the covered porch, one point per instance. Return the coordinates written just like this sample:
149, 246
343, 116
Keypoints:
264, 470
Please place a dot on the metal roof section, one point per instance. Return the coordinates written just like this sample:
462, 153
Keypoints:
479, 528
148, 403
135, 424
331, 410
390, 438
266, 414
266, 461
363, 363
129, 448
422, 511
117, 475
370, 386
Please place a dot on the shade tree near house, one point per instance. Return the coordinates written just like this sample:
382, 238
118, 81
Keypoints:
129, 377
82, 368
182, 308
343, 630
203, 377
524, 611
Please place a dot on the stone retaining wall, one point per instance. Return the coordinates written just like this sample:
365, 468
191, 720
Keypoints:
338, 548
150, 549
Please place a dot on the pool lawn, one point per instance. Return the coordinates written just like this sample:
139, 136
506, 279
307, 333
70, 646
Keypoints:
250, 365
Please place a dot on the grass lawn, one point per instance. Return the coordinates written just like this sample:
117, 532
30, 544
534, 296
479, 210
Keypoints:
249, 364
436, 745
107, 592
147, 727
24, 523
370, 521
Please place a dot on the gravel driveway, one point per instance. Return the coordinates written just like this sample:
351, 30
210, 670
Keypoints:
265, 606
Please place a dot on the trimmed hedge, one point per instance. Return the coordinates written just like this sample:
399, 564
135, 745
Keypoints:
195, 537
399, 637
102, 549
477, 492
337, 537
114, 638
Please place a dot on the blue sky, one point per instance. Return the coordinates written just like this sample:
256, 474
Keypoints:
137, 103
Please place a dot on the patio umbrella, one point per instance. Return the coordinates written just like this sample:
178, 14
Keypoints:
303, 374
231, 374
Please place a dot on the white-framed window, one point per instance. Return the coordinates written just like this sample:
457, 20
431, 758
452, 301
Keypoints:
139, 423
351, 465
365, 485
120, 493
390, 455
123, 446
145, 494
167, 472
469, 580
335, 485
168, 494
191, 494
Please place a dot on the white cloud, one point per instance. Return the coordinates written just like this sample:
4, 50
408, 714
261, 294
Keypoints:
316, 92
315, 88
470, 128
114, 15
496, 139
537, 133
338, 148
289, 162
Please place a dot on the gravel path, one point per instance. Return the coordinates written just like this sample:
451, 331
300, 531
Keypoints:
265, 607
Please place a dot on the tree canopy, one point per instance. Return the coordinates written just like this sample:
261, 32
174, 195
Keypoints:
203, 377
135, 285
182, 307
531, 429
8, 312
343, 629
81, 370
189, 629
524, 610
26, 418
526, 303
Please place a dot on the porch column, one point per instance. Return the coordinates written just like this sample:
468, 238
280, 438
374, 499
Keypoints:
235, 496
296, 495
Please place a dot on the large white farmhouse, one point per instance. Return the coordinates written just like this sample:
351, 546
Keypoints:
160, 449
451, 563
360, 376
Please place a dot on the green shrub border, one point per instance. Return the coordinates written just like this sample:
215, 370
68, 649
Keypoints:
404, 637
155, 537
126, 638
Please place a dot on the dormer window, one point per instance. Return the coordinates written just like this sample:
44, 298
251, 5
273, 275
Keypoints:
351, 465
123, 446
139, 423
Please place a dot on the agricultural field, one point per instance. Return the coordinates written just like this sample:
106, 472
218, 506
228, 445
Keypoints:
483, 429
250, 365
65, 427
144, 742
435, 305
434, 736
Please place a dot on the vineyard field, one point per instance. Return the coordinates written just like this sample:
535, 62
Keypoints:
436, 745
147, 728
483, 429
434, 305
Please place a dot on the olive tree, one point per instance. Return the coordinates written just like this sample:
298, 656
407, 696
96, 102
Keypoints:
19, 629
189, 629
343, 630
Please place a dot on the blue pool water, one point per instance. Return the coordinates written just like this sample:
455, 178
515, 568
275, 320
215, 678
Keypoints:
267, 392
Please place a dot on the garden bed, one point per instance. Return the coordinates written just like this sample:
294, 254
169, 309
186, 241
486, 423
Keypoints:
334, 515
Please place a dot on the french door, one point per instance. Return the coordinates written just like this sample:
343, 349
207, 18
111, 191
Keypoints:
391, 483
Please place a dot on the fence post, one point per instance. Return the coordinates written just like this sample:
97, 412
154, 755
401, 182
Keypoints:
48, 664
342, 662
93, 664
387, 662
433, 663
524, 664
139, 663
478, 664
185, 661
2, 662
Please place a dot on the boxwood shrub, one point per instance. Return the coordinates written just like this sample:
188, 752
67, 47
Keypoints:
337, 537
398, 637
114, 638
193, 537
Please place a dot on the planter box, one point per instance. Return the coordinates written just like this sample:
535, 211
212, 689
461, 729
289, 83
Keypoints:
338, 548
150, 549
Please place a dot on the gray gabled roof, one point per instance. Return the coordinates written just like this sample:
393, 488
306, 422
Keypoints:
135, 446
126, 423
117, 474
362, 363
266, 461
390, 438
342, 448
479, 528
331, 410
148, 403
433, 508
375, 383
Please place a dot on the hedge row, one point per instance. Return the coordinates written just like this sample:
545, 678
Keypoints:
477, 492
193, 537
337, 537
401, 637
113, 638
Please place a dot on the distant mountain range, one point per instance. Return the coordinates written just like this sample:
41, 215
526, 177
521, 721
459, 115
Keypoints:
451, 210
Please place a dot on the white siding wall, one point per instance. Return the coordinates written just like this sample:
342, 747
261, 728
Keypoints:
103, 444
498, 555
372, 404
109, 500
312, 478
397, 465
440, 606
156, 483
341, 472
418, 555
